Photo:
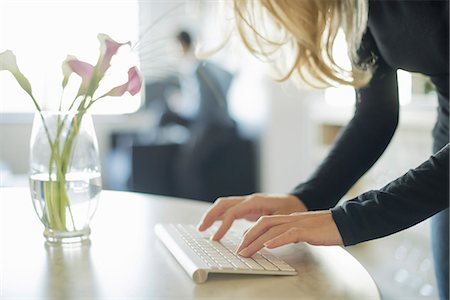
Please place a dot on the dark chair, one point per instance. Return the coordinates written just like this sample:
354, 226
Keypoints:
152, 169
230, 170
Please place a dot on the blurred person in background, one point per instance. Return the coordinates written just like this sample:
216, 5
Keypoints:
202, 107
382, 36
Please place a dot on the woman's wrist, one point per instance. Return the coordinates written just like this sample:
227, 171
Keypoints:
298, 205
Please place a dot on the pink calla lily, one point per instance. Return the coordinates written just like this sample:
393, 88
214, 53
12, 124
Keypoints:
83, 69
89, 73
108, 48
133, 85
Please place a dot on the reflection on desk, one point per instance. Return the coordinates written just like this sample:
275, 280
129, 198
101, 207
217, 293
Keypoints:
125, 260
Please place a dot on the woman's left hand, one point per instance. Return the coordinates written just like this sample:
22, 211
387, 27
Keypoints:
315, 228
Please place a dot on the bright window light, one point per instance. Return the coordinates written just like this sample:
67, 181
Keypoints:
340, 96
345, 96
42, 33
404, 87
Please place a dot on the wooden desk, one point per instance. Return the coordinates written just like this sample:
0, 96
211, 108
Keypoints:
124, 260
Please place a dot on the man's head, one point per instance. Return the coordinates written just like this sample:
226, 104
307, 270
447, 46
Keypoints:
185, 40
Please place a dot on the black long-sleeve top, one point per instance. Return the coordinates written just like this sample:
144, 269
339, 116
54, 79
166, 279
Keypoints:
408, 35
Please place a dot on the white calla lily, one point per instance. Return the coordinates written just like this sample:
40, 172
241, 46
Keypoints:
8, 62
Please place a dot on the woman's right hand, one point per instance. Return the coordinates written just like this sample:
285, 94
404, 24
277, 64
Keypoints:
250, 207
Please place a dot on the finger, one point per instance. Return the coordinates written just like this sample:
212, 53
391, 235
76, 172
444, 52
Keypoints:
216, 211
227, 220
293, 235
226, 224
233, 213
261, 226
245, 232
258, 243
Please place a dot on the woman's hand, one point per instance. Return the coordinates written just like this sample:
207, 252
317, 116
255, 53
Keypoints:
249, 207
315, 228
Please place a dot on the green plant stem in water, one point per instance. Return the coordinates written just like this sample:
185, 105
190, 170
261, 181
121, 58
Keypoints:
57, 200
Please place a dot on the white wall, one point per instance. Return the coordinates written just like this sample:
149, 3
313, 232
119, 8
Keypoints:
14, 138
285, 143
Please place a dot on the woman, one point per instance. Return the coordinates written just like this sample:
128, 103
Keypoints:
383, 36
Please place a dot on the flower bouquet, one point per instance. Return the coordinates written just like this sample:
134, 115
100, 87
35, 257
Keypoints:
65, 180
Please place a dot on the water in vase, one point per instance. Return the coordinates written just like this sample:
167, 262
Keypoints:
68, 206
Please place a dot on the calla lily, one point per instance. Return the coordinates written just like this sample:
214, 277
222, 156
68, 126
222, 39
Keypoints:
108, 48
83, 69
8, 62
91, 75
66, 70
133, 85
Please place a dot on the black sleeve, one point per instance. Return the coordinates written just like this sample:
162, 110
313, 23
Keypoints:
410, 199
362, 141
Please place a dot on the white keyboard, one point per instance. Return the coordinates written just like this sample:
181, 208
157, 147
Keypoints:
199, 256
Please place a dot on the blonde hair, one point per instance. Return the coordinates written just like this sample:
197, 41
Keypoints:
298, 36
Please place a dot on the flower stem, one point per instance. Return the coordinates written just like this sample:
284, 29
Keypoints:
58, 199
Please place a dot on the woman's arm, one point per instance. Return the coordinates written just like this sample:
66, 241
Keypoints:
362, 141
410, 199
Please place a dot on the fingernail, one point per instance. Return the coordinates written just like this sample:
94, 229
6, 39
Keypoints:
268, 244
243, 252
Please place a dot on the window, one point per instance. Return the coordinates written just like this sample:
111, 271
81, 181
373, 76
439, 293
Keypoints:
42, 33
345, 95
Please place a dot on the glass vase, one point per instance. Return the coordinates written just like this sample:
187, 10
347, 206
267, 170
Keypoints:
65, 176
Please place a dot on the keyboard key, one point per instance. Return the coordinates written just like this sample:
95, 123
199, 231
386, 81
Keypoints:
264, 263
239, 264
251, 263
285, 267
